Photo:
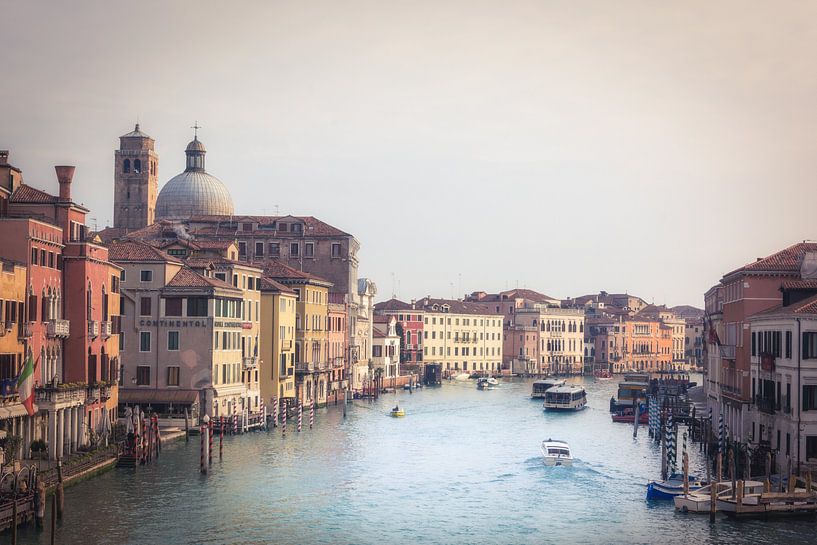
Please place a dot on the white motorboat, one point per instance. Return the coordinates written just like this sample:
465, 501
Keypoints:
543, 385
461, 377
556, 453
699, 501
565, 398
487, 383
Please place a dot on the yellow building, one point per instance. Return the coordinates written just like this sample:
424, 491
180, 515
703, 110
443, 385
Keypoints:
278, 306
461, 336
13, 416
312, 369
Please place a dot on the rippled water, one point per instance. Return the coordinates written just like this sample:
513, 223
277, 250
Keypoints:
464, 466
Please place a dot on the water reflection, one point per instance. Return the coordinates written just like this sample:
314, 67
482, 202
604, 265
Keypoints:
463, 466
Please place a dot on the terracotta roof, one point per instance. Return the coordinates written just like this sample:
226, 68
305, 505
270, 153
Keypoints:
27, 194
134, 250
312, 226
806, 306
182, 242
268, 284
784, 261
188, 278
210, 244
393, 304
799, 284
456, 306
278, 270
531, 295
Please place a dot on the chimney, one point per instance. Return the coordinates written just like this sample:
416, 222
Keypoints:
4, 156
413, 303
64, 175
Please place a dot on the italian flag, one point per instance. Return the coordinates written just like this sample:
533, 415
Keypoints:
25, 384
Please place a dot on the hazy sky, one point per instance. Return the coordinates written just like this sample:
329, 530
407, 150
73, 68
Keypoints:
564, 146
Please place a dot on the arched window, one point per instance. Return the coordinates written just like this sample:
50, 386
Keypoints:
45, 307
88, 303
137, 166
126, 166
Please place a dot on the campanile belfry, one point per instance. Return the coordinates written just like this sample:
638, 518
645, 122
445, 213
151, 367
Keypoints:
136, 185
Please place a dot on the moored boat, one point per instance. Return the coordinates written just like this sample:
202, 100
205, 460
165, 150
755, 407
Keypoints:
602, 374
673, 486
627, 417
565, 398
543, 385
487, 383
556, 453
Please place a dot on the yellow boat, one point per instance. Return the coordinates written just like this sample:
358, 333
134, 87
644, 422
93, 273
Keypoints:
397, 413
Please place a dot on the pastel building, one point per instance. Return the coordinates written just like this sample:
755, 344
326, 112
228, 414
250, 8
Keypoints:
278, 311
386, 349
461, 336
409, 327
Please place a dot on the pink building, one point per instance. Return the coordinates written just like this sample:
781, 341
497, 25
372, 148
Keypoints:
409, 328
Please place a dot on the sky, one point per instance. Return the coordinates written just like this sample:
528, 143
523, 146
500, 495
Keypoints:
564, 146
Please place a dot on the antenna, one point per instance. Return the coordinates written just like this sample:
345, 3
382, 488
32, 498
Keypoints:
277, 213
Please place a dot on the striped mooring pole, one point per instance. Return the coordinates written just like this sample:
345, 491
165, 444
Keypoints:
670, 431
311, 413
263, 412
284, 420
203, 448
300, 415
235, 418
721, 435
275, 411
210, 448
221, 438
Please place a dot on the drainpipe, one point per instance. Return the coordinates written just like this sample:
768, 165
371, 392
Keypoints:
799, 389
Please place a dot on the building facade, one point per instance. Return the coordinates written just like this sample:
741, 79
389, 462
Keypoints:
278, 311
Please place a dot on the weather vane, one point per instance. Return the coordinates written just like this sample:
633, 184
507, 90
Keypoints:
195, 128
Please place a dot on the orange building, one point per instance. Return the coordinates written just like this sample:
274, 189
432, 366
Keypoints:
633, 344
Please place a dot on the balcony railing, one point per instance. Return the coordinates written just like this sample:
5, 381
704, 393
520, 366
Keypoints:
93, 329
58, 328
727, 351
107, 329
55, 395
25, 331
302, 367
249, 363
733, 391
286, 344
766, 405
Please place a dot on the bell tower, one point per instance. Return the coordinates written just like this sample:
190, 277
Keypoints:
136, 182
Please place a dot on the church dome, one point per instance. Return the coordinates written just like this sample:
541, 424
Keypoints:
194, 192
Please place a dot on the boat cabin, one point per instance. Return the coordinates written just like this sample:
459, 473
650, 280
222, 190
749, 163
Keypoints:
571, 398
541, 386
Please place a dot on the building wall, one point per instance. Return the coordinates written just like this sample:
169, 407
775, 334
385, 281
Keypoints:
277, 380
464, 342
12, 347
311, 339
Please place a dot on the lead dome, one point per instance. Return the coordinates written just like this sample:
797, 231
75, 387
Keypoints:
194, 192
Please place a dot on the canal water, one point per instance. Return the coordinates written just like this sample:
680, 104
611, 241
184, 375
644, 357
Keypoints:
463, 466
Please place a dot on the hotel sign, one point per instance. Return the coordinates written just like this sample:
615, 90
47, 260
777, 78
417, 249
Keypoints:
173, 323
228, 324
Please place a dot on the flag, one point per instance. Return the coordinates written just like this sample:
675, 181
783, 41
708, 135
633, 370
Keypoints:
25, 384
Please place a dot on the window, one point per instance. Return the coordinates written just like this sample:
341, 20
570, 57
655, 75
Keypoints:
144, 341
274, 248
197, 306
309, 249
259, 248
242, 248
173, 306
811, 446
294, 249
172, 375
144, 306
377, 351
335, 249
126, 166
137, 166
788, 344
143, 375
809, 345
146, 276
172, 340
34, 256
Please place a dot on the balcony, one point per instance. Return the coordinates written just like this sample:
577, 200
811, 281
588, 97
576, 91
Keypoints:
58, 328
727, 351
93, 329
249, 363
766, 405
734, 392
25, 331
304, 367
61, 394
286, 345
107, 329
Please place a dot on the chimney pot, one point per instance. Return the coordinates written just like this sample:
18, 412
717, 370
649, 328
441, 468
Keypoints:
65, 174
4, 156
